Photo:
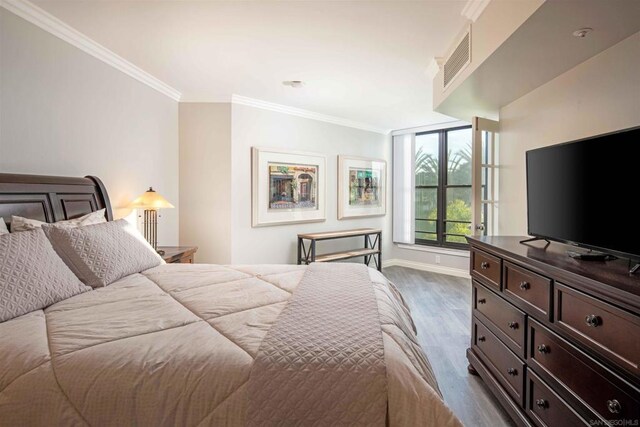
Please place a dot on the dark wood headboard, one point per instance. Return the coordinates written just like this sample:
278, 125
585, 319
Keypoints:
51, 198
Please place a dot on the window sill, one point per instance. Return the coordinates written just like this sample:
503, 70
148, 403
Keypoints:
442, 251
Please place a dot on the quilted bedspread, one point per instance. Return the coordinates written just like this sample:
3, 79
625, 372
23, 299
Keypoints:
322, 362
175, 346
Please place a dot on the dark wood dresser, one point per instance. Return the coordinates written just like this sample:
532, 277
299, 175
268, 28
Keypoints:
557, 340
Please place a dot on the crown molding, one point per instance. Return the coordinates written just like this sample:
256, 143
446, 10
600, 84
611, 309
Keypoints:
474, 8
431, 127
205, 99
49, 23
265, 105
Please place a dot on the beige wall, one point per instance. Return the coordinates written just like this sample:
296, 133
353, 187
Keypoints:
63, 112
215, 196
600, 95
205, 180
256, 127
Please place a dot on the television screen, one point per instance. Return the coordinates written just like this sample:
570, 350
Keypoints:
587, 192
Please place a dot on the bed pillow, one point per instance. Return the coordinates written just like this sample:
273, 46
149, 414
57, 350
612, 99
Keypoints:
103, 253
32, 275
3, 227
19, 223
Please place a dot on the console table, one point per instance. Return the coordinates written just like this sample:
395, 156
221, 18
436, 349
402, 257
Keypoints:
556, 340
372, 239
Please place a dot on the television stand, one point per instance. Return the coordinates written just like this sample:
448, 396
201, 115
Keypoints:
534, 239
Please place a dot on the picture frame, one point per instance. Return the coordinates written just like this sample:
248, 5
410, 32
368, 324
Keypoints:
362, 187
287, 187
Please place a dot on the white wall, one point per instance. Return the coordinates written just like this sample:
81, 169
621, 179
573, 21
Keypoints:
205, 180
63, 112
256, 127
600, 95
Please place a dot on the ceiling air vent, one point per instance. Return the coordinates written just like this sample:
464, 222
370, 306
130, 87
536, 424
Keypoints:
458, 59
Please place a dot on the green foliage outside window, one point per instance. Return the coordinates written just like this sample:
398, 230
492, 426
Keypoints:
457, 188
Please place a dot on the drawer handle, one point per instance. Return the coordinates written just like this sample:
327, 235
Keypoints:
542, 404
614, 406
543, 348
524, 285
482, 301
482, 338
484, 265
513, 325
512, 371
593, 320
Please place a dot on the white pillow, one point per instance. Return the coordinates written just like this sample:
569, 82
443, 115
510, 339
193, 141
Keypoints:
19, 223
32, 275
3, 227
103, 253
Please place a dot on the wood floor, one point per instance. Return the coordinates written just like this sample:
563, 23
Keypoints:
441, 309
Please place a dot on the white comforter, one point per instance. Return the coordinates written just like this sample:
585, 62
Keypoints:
175, 346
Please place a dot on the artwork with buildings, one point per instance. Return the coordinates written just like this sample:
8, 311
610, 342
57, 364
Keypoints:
293, 186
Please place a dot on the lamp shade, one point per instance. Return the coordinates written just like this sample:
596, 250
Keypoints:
150, 200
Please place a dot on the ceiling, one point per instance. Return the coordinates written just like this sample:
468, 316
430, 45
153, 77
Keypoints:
364, 61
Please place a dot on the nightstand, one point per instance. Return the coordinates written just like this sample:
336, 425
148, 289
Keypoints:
178, 254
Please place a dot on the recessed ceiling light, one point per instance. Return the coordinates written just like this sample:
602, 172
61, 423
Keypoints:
293, 83
582, 32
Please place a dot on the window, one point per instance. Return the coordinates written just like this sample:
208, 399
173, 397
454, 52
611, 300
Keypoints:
445, 183
443, 187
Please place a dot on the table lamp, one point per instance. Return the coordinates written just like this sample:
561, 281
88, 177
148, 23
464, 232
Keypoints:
150, 201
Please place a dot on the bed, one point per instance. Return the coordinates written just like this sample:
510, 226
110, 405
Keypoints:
198, 345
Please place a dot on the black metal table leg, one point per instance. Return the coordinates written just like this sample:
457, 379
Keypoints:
366, 246
380, 252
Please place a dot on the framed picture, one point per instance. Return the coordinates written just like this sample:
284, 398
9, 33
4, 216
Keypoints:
362, 187
287, 187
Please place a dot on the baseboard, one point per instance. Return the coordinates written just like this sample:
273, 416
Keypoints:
450, 271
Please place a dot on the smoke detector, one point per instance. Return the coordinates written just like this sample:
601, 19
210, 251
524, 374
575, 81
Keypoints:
293, 83
582, 32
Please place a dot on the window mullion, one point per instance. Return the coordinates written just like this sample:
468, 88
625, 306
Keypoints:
442, 185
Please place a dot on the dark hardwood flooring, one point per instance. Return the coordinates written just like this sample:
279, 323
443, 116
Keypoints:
441, 309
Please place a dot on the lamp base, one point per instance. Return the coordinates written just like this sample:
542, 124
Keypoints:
151, 227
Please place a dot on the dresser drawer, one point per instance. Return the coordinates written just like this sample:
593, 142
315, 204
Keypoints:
532, 290
591, 383
546, 408
615, 332
506, 367
485, 267
506, 318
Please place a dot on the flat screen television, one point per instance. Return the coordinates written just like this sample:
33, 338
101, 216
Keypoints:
587, 193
